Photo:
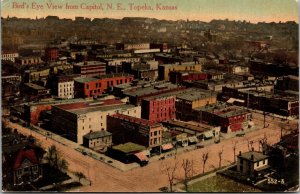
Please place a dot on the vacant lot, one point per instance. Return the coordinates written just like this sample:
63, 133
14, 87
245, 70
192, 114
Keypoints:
219, 183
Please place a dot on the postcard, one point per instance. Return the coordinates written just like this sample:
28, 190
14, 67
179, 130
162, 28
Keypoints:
150, 96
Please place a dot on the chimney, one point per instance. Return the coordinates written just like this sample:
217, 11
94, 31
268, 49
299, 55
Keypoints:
252, 148
240, 153
252, 157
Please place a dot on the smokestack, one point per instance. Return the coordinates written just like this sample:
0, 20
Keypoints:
252, 148
240, 153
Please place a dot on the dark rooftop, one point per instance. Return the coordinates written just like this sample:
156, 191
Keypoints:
257, 156
97, 134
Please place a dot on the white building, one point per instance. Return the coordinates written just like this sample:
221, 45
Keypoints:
251, 163
75, 120
9, 56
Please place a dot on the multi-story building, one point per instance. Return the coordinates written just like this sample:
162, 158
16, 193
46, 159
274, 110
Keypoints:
9, 56
94, 86
230, 118
165, 69
28, 60
190, 99
159, 108
74, 120
262, 97
137, 94
132, 46
63, 86
51, 53
177, 77
34, 91
130, 129
90, 68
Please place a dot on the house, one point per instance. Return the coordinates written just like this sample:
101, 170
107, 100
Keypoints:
90, 68
26, 167
252, 163
98, 140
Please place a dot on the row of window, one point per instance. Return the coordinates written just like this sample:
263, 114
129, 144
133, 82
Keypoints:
109, 83
155, 133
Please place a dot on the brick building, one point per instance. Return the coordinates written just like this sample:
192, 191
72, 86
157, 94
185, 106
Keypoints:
94, 86
51, 53
177, 77
74, 120
130, 129
165, 69
159, 108
90, 68
137, 94
34, 91
230, 118
190, 99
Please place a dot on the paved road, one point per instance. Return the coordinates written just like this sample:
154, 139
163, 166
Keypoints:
150, 178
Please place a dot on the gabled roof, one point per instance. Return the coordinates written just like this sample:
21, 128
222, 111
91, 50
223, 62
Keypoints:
25, 154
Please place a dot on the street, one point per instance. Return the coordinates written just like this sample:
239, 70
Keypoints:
150, 178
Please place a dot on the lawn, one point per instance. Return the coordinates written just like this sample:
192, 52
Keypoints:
219, 183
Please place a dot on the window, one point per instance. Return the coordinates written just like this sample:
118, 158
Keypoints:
87, 86
155, 133
96, 85
257, 164
264, 161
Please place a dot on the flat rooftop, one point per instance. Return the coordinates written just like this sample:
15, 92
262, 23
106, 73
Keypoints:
195, 94
90, 63
129, 147
93, 106
131, 119
200, 127
223, 110
97, 78
35, 86
151, 89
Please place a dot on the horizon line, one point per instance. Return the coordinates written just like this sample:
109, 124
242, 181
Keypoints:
120, 18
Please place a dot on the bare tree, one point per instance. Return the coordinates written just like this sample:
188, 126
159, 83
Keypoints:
187, 166
220, 157
250, 144
204, 160
169, 169
234, 149
263, 142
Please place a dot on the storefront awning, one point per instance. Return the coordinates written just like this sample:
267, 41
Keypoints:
141, 156
167, 146
193, 139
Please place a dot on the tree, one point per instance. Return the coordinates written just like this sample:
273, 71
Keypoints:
204, 160
169, 169
220, 157
79, 175
187, 166
52, 155
234, 149
63, 165
250, 144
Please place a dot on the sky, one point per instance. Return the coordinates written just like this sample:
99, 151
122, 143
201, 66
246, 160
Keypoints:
203, 10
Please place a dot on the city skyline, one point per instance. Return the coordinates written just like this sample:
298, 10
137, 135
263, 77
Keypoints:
204, 10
